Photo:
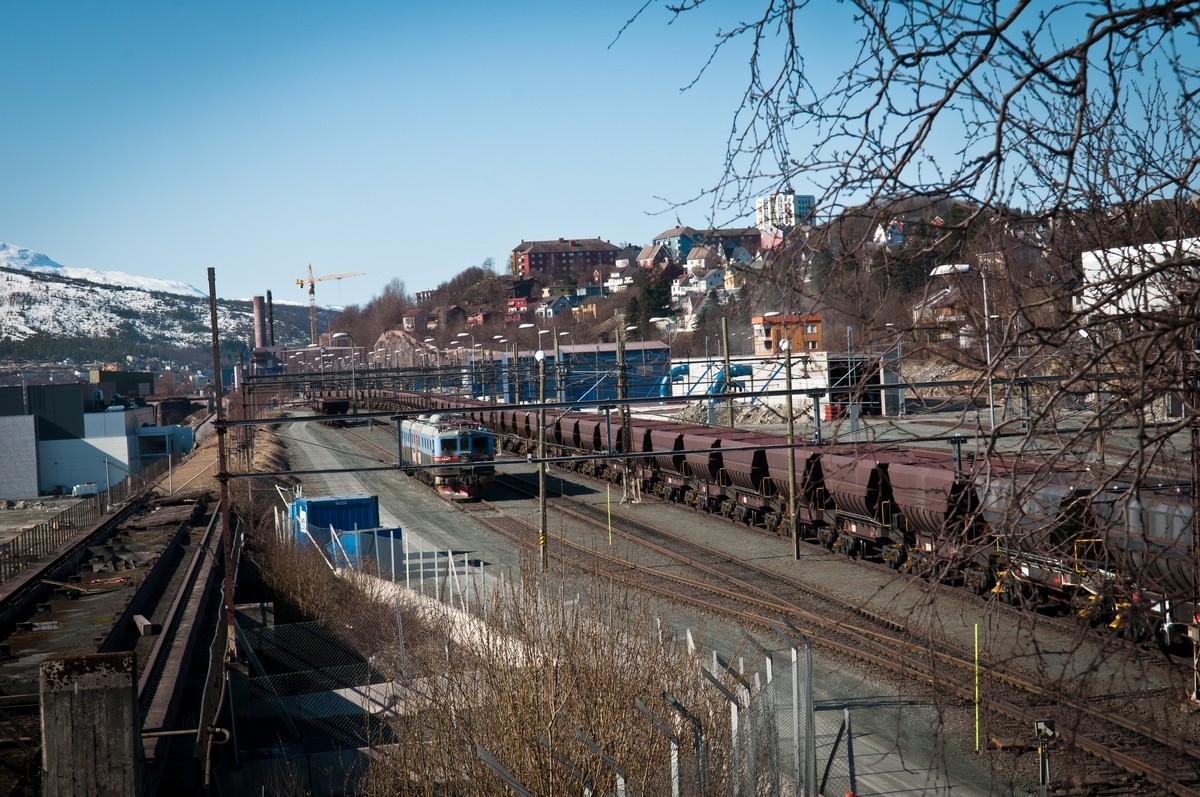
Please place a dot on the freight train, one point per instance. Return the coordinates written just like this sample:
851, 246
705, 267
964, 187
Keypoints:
1118, 553
333, 407
449, 451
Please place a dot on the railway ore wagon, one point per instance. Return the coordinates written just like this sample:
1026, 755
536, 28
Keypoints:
455, 455
943, 535
1146, 536
1047, 540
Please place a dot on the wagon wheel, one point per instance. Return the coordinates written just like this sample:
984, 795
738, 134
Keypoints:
896, 556
1135, 627
984, 581
1103, 610
1010, 593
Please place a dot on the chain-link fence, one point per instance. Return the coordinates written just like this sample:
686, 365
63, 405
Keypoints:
352, 683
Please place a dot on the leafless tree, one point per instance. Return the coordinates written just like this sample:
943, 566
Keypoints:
1010, 136
1013, 137
996, 104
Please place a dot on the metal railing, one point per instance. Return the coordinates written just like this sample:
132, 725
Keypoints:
43, 539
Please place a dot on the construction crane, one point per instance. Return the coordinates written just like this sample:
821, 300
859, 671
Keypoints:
311, 282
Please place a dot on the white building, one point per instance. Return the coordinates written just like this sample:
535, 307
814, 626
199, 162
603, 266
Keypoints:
783, 211
1138, 279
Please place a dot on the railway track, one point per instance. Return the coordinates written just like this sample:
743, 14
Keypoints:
1138, 753
713, 580
140, 580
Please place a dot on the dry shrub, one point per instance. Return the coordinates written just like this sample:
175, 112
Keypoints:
553, 665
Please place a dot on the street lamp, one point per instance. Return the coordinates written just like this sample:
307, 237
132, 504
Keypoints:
353, 357
467, 335
669, 328
963, 268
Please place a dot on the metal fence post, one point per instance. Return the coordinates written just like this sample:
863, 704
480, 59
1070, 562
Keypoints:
671, 737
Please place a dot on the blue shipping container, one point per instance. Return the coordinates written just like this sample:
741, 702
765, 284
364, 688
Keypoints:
344, 513
384, 546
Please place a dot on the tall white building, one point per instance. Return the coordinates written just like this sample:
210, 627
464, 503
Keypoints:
783, 211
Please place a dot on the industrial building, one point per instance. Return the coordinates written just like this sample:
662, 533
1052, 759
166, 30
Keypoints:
64, 438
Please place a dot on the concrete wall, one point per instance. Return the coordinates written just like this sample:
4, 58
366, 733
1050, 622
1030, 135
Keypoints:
112, 424
103, 460
18, 447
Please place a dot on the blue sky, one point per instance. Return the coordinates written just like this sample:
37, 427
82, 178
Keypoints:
406, 140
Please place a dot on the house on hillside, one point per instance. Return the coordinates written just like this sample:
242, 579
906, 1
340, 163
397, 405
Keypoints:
677, 242
702, 259
735, 278
414, 320
653, 256
802, 331
620, 279
940, 313
558, 306
680, 286
584, 292
890, 234
692, 305
711, 280
447, 316
479, 318
588, 308
727, 241
515, 309
526, 288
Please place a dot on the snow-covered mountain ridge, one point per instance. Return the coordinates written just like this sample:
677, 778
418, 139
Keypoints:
39, 297
20, 259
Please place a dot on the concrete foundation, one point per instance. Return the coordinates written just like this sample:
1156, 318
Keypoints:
91, 744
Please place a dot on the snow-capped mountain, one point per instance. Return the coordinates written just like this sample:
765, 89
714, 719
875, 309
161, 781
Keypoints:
18, 258
39, 297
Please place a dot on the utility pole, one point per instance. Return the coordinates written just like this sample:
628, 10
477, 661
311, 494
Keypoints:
541, 370
728, 381
1192, 407
786, 345
629, 487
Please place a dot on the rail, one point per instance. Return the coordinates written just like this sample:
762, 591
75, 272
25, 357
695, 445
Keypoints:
170, 652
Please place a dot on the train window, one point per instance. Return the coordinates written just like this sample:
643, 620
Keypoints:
449, 446
479, 444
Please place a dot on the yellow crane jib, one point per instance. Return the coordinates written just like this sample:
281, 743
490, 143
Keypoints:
311, 282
